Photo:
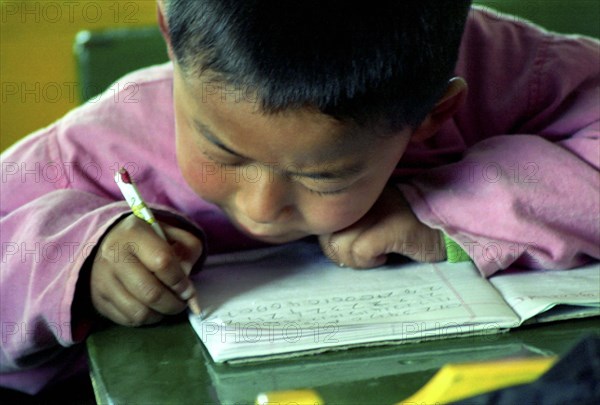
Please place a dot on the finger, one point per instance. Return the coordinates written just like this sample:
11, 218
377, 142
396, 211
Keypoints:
336, 246
113, 301
345, 250
429, 247
356, 251
156, 255
419, 243
330, 248
145, 288
186, 247
368, 249
118, 316
338, 249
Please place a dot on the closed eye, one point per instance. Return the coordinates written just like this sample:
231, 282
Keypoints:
326, 193
222, 162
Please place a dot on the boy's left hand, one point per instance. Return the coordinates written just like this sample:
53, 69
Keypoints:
389, 226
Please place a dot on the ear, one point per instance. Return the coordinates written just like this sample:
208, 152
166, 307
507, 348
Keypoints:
161, 15
443, 110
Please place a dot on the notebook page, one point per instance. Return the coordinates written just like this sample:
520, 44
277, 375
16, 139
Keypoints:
533, 292
292, 298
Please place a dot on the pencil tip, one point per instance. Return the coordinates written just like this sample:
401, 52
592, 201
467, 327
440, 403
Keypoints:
194, 306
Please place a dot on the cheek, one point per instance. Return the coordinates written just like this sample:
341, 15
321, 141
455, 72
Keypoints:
201, 174
327, 216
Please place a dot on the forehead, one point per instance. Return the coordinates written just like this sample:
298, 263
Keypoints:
233, 115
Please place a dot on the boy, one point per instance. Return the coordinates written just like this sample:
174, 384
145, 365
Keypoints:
280, 120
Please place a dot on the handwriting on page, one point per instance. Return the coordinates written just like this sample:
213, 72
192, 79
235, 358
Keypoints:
349, 308
583, 296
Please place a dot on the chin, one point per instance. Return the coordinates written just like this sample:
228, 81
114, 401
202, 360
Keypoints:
275, 239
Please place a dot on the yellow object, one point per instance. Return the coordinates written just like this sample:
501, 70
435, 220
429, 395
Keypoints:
39, 80
454, 382
292, 397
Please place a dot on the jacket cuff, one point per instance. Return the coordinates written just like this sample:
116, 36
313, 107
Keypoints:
454, 252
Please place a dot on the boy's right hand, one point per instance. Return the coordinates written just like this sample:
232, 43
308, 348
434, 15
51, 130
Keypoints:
137, 277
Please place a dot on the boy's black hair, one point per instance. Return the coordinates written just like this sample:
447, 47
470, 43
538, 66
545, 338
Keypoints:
378, 63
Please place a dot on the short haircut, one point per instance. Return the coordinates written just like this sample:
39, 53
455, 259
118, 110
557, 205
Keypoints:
374, 63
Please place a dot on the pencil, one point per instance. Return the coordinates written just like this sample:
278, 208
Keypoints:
141, 210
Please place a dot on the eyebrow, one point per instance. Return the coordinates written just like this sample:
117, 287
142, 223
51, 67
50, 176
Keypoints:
341, 173
211, 137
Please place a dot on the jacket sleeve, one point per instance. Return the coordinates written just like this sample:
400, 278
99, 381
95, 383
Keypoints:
526, 189
48, 231
53, 215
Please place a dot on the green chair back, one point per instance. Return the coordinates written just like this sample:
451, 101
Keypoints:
104, 56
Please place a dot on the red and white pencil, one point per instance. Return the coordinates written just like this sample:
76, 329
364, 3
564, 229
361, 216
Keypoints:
141, 210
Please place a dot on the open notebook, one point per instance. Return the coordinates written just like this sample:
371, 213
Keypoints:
290, 300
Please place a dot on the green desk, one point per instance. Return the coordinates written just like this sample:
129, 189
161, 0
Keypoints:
167, 364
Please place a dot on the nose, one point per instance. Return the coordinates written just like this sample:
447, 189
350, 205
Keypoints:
266, 200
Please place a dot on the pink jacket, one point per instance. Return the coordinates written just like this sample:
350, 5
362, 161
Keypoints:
513, 178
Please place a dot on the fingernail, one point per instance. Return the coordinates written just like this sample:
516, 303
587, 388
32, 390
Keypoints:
186, 267
188, 293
